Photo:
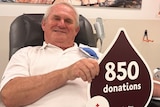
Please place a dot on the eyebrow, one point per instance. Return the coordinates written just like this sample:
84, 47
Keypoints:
65, 19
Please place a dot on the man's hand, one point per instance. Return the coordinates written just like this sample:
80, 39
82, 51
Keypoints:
86, 69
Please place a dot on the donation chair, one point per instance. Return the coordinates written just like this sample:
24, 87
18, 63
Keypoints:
26, 30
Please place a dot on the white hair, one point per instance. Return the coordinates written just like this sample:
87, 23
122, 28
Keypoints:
62, 3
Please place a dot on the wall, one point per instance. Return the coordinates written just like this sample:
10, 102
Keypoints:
149, 10
135, 29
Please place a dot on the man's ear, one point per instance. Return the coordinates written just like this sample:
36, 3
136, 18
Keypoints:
78, 29
43, 24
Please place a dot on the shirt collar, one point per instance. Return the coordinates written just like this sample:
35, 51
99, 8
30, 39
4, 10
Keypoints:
45, 45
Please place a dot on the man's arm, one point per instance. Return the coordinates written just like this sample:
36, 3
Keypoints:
22, 91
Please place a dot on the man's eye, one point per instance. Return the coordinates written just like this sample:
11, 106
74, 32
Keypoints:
56, 18
69, 21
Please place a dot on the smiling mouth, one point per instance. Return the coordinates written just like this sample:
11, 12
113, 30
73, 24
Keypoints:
61, 31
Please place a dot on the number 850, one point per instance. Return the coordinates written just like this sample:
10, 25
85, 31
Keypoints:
122, 71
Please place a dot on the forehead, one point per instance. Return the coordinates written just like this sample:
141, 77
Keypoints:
63, 10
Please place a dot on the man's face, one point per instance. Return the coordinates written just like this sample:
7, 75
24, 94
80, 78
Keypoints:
60, 27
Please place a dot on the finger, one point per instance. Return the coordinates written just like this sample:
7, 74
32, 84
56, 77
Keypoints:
94, 67
85, 73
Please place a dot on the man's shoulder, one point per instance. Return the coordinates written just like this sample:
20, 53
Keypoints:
28, 49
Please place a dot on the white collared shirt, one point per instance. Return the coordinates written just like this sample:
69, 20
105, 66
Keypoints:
30, 61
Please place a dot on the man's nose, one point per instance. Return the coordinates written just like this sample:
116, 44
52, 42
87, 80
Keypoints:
61, 23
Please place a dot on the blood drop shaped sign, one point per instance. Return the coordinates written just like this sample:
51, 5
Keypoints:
124, 80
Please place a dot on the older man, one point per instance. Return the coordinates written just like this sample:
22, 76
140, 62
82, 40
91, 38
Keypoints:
55, 74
